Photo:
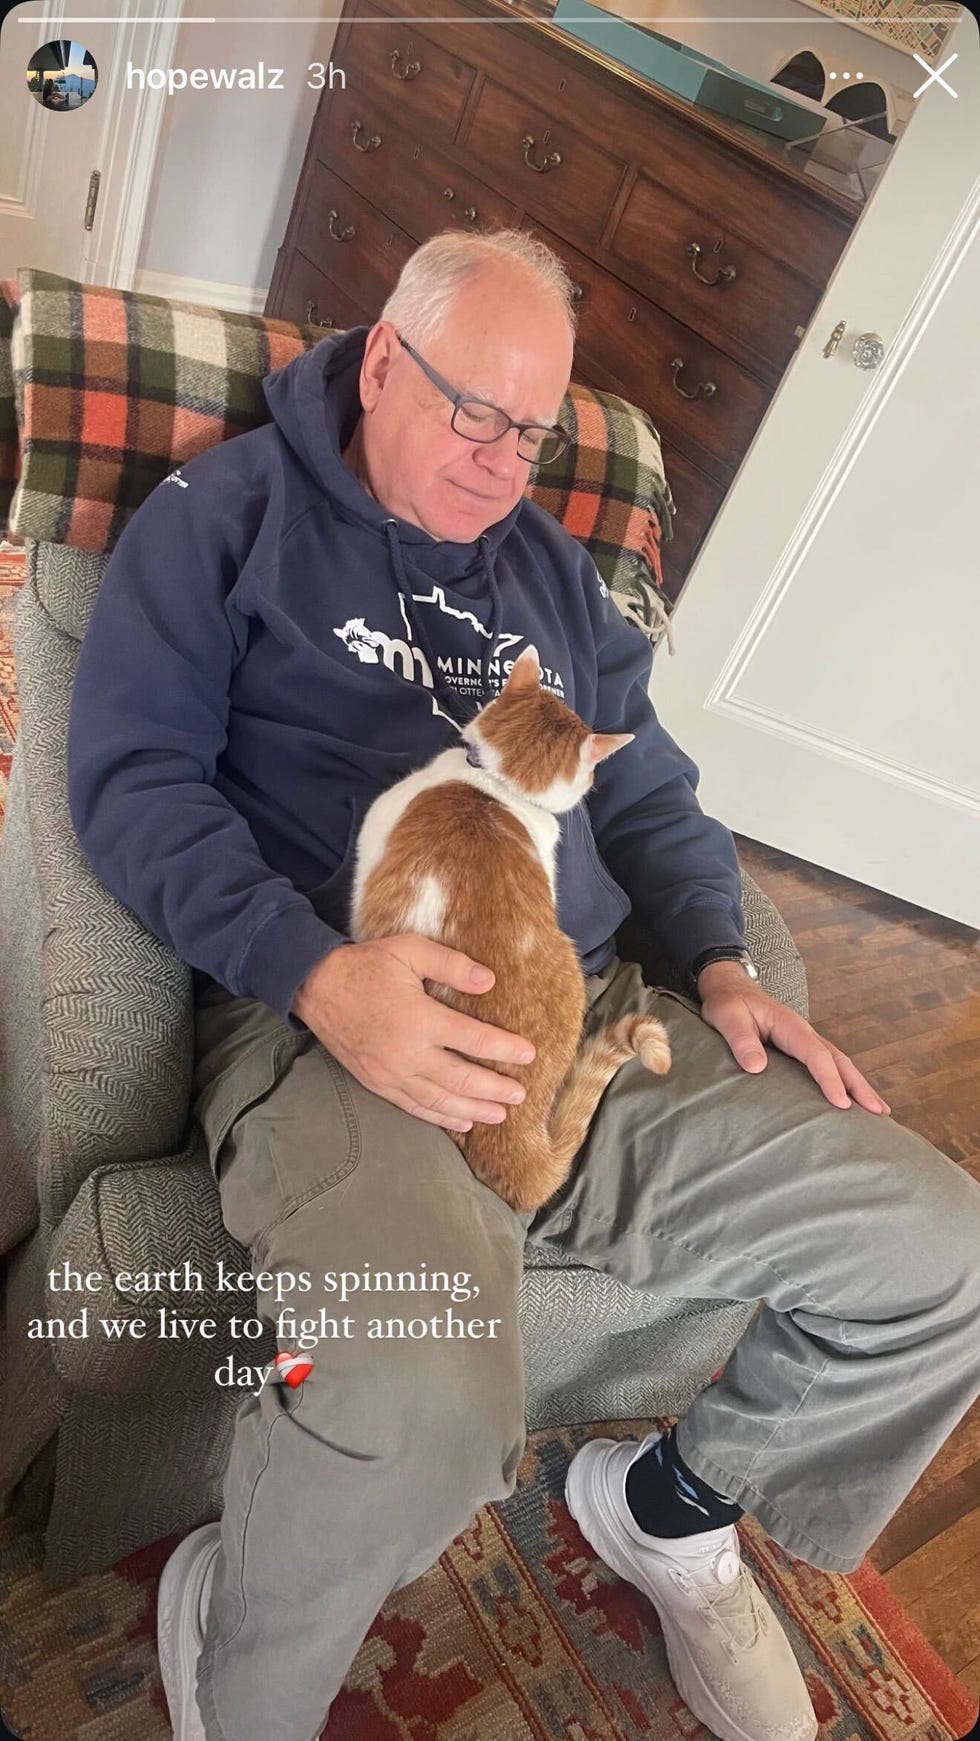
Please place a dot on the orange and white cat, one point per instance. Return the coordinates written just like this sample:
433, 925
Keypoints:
465, 855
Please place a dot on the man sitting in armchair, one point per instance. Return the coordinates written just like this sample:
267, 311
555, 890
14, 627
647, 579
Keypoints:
289, 624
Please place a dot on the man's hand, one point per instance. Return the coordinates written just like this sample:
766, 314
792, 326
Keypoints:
368, 1004
745, 1016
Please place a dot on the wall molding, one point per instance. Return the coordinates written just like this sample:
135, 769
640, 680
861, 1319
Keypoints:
235, 298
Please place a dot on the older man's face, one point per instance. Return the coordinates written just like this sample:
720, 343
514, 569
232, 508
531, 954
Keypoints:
502, 342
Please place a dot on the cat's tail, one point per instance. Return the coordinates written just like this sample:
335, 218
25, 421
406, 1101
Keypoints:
592, 1069
528, 1175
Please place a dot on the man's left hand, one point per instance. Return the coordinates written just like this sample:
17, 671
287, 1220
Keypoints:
745, 1017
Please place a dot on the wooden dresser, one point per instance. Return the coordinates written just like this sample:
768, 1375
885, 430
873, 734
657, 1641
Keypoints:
698, 253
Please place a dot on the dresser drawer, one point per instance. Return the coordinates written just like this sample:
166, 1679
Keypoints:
744, 199
697, 501
418, 81
357, 247
433, 194
421, 187
624, 339
751, 305
546, 165
355, 138
307, 295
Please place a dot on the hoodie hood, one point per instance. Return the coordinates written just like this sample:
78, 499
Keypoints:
315, 403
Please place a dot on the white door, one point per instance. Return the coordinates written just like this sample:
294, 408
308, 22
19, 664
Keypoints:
827, 673
47, 157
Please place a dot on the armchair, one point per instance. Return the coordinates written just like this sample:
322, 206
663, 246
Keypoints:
118, 1442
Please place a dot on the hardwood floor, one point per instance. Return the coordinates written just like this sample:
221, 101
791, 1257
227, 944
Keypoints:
898, 989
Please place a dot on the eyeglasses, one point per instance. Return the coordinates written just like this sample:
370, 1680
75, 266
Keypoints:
477, 420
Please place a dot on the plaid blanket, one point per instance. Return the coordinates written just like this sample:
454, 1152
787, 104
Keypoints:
103, 392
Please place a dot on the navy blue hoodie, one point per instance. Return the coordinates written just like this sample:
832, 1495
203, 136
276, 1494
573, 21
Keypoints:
270, 649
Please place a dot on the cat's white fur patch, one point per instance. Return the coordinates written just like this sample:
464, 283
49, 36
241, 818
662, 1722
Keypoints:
426, 914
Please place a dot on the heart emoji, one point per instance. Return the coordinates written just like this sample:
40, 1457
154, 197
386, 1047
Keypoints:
293, 1368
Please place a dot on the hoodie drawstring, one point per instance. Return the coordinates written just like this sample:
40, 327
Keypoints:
452, 700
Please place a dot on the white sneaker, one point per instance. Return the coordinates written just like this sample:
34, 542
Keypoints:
730, 1659
182, 1608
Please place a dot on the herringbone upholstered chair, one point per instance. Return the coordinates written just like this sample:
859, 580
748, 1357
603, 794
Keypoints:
115, 1443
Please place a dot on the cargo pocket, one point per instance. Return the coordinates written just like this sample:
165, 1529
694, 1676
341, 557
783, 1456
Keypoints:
689, 1003
299, 1147
253, 1076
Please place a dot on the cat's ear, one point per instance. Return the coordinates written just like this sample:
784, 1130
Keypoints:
525, 671
600, 744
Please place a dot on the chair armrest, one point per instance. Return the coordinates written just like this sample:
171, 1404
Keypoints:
117, 1009
767, 939
21, 1086
162, 1216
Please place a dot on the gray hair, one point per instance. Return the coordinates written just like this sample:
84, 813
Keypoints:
433, 276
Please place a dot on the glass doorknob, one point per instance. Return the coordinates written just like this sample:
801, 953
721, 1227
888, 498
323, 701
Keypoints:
868, 350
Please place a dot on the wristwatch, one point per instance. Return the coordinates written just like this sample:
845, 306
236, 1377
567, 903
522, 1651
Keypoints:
723, 952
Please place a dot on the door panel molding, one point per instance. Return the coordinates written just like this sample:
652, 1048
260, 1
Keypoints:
829, 744
128, 145
722, 696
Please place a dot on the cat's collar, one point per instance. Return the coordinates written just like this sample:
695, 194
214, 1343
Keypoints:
475, 761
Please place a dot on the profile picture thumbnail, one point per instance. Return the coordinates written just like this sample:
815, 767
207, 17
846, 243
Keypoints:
62, 75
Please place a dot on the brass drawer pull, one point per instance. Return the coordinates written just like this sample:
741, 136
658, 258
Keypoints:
372, 144
551, 161
469, 212
345, 235
724, 274
412, 67
703, 390
311, 319
578, 291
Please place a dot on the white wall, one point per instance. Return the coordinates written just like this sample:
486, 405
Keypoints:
229, 161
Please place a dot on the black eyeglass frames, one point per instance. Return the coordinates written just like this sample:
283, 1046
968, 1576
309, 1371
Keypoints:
477, 420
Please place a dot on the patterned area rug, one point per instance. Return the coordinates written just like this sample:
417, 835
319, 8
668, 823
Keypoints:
518, 1633
11, 579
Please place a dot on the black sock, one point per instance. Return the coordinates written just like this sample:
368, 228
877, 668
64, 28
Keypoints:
667, 1499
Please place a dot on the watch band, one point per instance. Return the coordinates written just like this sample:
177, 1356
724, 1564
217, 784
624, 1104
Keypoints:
723, 952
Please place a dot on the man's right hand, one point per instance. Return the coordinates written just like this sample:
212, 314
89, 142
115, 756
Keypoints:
367, 1003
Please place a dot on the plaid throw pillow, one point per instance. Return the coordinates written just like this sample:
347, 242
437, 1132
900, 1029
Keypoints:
609, 490
113, 389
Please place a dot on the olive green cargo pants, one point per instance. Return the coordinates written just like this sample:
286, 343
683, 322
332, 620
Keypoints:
860, 1239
